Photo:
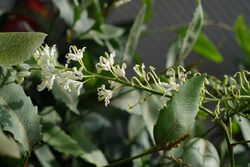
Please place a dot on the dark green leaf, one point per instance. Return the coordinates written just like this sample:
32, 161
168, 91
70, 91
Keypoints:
242, 34
134, 35
61, 141
16, 47
9, 147
197, 152
46, 157
177, 119
205, 48
18, 115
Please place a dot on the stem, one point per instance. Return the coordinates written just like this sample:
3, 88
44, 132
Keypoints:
150, 151
25, 163
229, 145
240, 142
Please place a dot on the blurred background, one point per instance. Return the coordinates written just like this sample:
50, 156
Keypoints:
166, 17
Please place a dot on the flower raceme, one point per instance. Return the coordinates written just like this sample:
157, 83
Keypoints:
72, 79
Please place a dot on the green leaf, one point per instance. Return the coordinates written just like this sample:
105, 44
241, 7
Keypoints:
70, 99
46, 157
177, 119
16, 47
66, 10
49, 115
18, 115
204, 47
182, 47
197, 152
60, 141
242, 35
149, 8
134, 35
92, 153
9, 147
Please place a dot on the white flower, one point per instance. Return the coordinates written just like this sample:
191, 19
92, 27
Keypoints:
120, 71
114, 85
75, 54
140, 70
104, 94
106, 63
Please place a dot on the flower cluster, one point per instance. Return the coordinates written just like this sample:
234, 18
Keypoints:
51, 71
146, 80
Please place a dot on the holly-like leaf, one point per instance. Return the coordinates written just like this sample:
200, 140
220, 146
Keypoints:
16, 47
18, 115
197, 152
177, 118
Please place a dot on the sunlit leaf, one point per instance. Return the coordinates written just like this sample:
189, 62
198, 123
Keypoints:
16, 47
9, 147
66, 10
177, 118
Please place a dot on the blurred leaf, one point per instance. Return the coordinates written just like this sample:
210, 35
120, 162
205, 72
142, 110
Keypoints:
70, 99
95, 121
134, 35
172, 52
135, 126
49, 115
92, 153
197, 152
204, 47
177, 119
244, 126
150, 113
62, 142
98, 14
66, 10
182, 47
107, 32
149, 8
17, 47
128, 98
9, 147
46, 157
242, 35
18, 115
83, 24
